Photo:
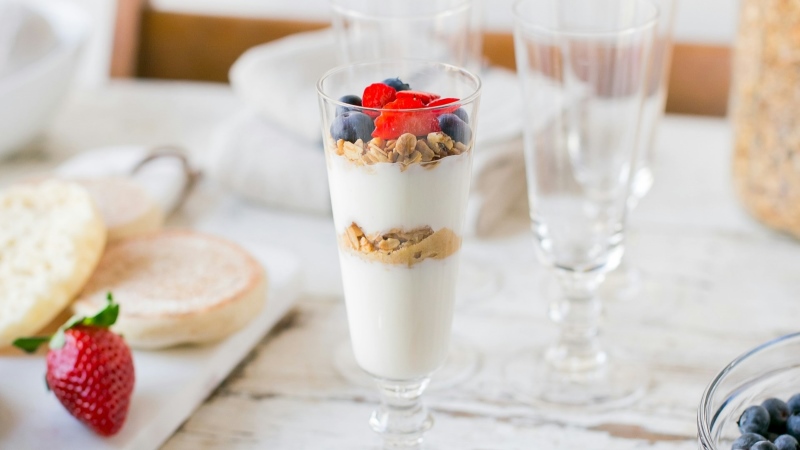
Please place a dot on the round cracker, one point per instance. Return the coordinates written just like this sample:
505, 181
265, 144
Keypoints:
176, 287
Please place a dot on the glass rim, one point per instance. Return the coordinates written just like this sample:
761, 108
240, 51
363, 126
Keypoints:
339, 7
703, 425
341, 68
523, 22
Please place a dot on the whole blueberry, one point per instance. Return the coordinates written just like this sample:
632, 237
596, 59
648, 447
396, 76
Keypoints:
778, 413
793, 426
754, 419
352, 126
456, 128
462, 114
764, 445
397, 84
350, 100
786, 442
794, 404
745, 441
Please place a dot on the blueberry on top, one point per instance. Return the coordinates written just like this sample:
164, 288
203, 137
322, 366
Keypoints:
350, 100
456, 128
754, 419
778, 413
793, 426
745, 441
397, 84
764, 445
786, 442
352, 126
462, 114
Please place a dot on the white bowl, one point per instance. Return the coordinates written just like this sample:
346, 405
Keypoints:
38, 55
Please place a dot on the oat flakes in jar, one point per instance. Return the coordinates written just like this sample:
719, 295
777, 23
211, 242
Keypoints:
766, 112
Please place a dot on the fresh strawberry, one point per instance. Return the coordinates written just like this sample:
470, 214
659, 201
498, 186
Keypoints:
393, 121
442, 102
376, 95
89, 369
405, 103
424, 97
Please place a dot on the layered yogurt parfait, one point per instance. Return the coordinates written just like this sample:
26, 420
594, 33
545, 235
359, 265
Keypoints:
399, 141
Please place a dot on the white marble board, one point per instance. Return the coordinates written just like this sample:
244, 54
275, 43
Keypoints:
170, 384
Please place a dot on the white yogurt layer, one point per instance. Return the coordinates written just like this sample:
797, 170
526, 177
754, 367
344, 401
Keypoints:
400, 317
381, 197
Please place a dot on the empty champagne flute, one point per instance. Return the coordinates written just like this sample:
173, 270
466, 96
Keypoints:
625, 282
584, 66
654, 101
436, 30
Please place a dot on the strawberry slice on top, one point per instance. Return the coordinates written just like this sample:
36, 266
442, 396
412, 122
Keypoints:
394, 122
442, 102
376, 95
424, 97
89, 369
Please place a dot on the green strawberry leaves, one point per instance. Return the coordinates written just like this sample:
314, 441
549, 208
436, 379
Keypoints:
30, 344
103, 319
106, 317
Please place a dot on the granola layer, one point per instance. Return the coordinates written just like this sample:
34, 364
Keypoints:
405, 150
399, 246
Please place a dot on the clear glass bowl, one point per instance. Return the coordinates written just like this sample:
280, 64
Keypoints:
770, 370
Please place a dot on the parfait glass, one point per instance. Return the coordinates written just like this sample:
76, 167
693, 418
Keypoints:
399, 181
447, 31
583, 65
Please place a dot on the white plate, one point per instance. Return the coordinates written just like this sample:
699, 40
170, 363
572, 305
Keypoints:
170, 384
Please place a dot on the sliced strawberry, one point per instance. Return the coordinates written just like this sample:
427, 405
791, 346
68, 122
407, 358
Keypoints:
405, 103
424, 97
442, 102
376, 95
393, 121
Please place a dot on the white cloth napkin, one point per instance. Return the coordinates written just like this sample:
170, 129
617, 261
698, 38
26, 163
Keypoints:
272, 152
258, 160
163, 178
25, 36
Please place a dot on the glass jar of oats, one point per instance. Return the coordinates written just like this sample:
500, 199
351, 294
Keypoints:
766, 112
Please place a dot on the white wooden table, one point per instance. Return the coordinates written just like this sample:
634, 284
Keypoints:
716, 284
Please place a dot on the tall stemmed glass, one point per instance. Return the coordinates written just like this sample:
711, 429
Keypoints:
399, 179
626, 281
447, 31
436, 30
655, 99
583, 65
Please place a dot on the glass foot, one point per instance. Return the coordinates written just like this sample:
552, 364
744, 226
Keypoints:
402, 419
462, 362
617, 382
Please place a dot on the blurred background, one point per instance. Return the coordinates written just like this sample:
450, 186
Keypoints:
200, 40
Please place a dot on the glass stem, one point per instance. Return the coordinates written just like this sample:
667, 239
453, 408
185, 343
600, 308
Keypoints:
577, 311
401, 419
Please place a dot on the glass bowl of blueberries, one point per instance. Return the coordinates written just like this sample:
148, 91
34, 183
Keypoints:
754, 402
